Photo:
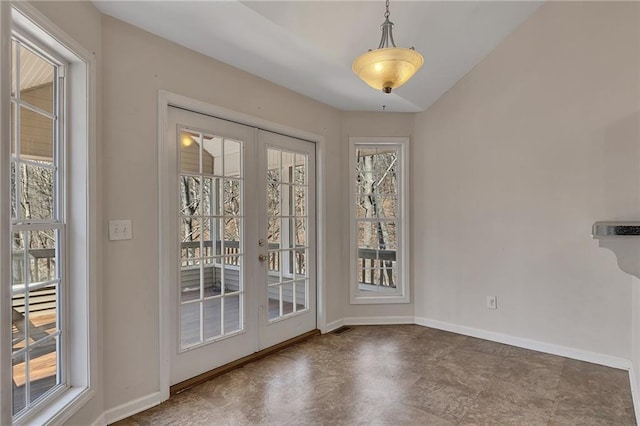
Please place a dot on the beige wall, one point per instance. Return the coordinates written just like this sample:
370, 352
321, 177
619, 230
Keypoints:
518, 160
136, 65
509, 170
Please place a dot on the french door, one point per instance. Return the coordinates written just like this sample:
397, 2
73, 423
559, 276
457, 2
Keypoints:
244, 253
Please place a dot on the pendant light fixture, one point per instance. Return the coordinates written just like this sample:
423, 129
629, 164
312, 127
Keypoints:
387, 67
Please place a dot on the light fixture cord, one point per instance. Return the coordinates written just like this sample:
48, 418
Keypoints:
387, 30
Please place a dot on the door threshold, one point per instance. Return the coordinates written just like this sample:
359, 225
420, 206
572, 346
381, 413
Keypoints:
224, 369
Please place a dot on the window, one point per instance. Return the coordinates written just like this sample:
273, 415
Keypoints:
37, 225
379, 216
48, 227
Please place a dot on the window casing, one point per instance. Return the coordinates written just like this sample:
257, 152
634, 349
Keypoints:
379, 217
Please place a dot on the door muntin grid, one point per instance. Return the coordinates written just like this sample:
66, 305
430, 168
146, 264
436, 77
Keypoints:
287, 271
211, 221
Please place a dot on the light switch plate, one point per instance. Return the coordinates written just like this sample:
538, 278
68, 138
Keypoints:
119, 230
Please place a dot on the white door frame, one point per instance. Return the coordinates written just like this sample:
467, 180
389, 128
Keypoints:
166, 99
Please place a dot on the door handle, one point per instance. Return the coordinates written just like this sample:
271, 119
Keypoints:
262, 257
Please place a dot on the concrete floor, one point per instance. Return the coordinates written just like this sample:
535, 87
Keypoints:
403, 375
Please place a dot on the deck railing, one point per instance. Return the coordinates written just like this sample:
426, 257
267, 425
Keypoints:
375, 267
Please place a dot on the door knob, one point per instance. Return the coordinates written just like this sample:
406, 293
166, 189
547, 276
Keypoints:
262, 257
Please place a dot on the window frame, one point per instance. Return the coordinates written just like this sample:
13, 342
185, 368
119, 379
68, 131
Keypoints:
402, 292
80, 210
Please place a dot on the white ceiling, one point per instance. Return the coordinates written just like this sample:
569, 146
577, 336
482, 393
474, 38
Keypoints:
308, 46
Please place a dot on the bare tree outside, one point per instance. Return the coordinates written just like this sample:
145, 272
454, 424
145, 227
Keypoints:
376, 211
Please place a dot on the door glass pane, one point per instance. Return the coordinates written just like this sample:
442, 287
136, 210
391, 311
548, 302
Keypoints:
287, 298
300, 173
190, 228
211, 198
231, 278
212, 280
232, 197
212, 162
274, 297
300, 201
190, 324
274, 157
189, 152
301, 294
232, 158
190, 195
190, 283
212, 317
287, 166
273, 199
232, 313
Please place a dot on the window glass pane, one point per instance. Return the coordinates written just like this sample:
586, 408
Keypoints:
13, 185
368, 235
14, 64
42, 255
43, 368
19, 380
386, 206
36, 136
36, 80
232, 153
274, 266
189, 152
36, 192
17, 258
389, 233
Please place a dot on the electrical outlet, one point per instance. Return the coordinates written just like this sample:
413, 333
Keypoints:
492, 302
119, 230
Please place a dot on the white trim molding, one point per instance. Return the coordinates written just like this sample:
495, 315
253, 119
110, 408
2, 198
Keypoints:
130, 408
635, 394
379, 320
550, 348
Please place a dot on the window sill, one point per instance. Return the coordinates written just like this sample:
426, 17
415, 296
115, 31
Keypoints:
59, 410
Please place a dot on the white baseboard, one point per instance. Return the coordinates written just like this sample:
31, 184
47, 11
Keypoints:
573, 353
130, 408
100, 421
328, 328
378, 320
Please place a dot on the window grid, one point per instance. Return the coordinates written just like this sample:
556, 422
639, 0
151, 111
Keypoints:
377, 218
37, 351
